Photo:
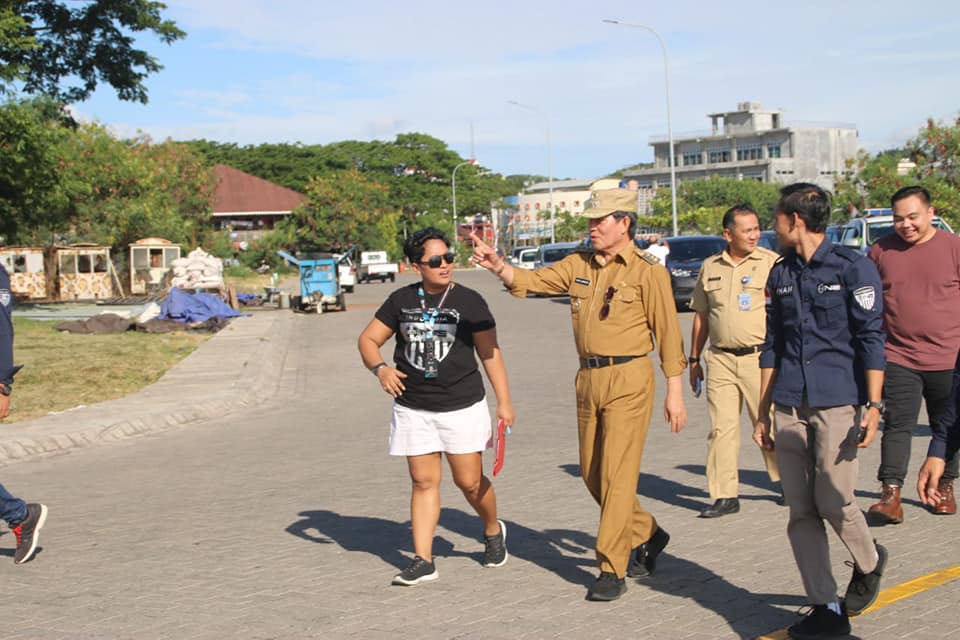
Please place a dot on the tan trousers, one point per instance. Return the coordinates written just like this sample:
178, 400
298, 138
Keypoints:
817, 453
732, 381
614, 405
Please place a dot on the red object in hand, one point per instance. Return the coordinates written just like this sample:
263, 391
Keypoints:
501, 446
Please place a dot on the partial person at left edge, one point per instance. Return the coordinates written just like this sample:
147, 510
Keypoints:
439, 407
24, 519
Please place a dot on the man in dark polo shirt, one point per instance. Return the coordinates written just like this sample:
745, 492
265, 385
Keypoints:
920, 270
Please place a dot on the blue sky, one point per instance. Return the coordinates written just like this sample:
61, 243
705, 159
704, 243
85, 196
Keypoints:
253, 71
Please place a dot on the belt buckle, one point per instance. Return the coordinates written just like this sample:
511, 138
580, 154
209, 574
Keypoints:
593, 362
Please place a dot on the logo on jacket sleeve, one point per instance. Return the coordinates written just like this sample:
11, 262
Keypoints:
5, 297
866, 297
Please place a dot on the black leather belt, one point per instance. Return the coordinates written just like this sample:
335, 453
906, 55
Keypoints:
595, 362
741, 351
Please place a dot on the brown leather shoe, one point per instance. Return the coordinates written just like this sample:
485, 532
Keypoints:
888, 510
947, 505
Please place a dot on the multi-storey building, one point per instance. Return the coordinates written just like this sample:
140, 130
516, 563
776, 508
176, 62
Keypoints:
752, 143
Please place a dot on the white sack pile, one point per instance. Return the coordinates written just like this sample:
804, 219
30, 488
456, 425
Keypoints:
198, 270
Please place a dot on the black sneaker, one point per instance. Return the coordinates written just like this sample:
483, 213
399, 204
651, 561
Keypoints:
28, 532
864, 587
607, 587
644, 558
419, 570
821, 623
495, 548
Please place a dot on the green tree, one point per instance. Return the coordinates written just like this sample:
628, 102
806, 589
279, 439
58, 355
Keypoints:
701, 203
65, 49
346, 208
31, 133
567, 227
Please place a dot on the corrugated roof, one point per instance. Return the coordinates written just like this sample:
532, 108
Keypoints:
239, 192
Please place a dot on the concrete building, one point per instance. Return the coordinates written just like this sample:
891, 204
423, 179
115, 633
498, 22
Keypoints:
752, 143
568, 195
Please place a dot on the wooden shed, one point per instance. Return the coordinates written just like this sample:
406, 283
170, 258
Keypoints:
25, 266
150, 260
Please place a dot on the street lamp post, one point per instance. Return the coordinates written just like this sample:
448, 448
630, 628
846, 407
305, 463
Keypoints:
465, 162
546, 119
666, 76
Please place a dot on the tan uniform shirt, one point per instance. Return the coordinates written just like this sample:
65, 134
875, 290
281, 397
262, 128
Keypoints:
641, 304
733, 298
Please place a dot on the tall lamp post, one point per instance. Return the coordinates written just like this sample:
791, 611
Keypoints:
546, 119
666, 76
465, 162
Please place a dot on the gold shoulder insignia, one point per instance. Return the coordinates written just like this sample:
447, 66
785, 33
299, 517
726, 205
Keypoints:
649, 257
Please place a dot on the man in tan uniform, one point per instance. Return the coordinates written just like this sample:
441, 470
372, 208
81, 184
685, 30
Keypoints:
620, 298
729, 302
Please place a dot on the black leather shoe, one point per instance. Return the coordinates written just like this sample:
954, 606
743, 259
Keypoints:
643, 561
607, 587
722, 507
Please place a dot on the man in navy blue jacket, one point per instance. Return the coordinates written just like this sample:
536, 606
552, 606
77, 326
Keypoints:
944, 443
821, 362
25, 520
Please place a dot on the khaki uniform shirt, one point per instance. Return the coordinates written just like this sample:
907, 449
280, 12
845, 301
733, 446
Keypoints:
732, 296
641, 305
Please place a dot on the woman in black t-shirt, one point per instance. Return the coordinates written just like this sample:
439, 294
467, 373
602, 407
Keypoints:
439, 404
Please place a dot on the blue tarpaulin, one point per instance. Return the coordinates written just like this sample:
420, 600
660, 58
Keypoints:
184, 306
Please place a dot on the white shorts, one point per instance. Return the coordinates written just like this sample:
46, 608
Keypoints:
414, 432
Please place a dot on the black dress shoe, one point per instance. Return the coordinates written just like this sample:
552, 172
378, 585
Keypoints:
643, 560
607, 587
721, 507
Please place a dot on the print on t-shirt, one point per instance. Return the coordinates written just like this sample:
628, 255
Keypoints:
414, 331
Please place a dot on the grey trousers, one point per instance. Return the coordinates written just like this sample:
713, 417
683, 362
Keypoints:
817, 455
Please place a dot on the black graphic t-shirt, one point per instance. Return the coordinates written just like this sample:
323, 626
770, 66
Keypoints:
458, 383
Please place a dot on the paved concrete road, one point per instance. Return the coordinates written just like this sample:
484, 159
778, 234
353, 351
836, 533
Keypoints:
287, 519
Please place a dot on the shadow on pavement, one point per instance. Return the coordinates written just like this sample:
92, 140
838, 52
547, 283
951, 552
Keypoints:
385, 539
548, 549
747, 614
751, 477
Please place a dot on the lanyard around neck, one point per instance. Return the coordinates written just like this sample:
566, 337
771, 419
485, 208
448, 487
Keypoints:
431, 316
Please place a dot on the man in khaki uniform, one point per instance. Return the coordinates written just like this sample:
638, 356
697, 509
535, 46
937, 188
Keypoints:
620, 298
729, 302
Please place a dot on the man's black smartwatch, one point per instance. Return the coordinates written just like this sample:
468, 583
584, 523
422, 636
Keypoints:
5, 389
879, 406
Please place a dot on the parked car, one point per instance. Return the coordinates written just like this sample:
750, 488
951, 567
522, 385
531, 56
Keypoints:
834, 232
686, 256
346, 271
860, 233
769, 240
375, 265
515, 254
547, 254
526, 258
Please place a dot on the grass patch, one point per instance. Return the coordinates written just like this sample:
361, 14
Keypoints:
65, 370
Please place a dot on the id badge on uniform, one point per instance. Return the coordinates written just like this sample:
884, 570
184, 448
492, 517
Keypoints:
743, 301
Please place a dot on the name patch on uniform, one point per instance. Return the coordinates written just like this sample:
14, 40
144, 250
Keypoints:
581, 281
713, 278
785, 290
743, 301
825, 287
866, 297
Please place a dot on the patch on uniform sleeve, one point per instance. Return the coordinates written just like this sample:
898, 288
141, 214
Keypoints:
582, 281
5, 297
866, 297
649, 257
766, 295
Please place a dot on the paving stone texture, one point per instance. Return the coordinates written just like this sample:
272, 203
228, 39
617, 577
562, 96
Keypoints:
248, 494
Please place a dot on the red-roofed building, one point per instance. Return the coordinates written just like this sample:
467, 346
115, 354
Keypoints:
249, 205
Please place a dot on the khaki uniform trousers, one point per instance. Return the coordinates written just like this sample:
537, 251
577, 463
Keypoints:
614, 405
817, 453
732, 381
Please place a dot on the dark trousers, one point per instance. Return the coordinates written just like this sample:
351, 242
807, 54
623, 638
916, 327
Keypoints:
902, 390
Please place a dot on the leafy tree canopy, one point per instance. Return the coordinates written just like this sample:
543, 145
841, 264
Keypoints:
65, 49
701, 203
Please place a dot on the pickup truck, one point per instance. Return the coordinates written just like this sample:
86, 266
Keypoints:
375, 265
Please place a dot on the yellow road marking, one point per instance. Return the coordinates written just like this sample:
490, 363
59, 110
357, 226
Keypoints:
894, 594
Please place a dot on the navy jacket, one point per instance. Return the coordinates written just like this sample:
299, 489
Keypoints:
946, 433
824, 327
6, 330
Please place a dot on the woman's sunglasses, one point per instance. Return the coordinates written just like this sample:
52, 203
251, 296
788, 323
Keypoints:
435, 261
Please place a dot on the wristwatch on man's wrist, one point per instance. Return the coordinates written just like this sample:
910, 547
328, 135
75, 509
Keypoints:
879, 406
